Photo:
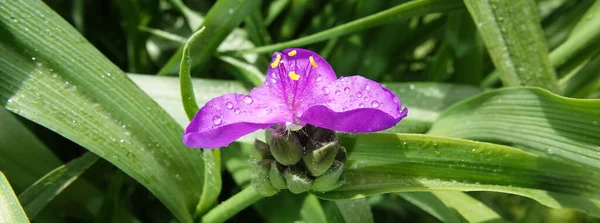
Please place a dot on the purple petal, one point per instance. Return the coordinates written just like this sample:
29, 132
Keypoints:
226, 118
353, 104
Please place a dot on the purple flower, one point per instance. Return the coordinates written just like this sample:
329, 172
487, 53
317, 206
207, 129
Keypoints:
300, 88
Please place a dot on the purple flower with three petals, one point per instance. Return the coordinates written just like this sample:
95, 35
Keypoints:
300, 88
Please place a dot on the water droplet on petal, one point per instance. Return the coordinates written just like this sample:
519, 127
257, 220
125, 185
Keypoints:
366, 99
367, 87
217, 120
236, 111
319, 78
325, 90
273, 80
359, 94
361, 105
248, 99
344, 108
396, 101
229, 105
337, 92
346, 90
375, 104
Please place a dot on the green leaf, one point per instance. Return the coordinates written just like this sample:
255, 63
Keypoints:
10, 209
355, 210
431, 204
584, 35
425, 102
382, 163
111, 200
188, 97
548, 124
38, 195
516, 44
54, 77
412, 8
224, 16
470, 208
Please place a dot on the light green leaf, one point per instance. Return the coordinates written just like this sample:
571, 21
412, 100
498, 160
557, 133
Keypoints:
383, 163
548, 124
56, 78
311, 210
355, 210
516, 44
431, 204
188, 97
470, 208
224, 16
412, 8
10, 209
584, 35
425, 102
38, 195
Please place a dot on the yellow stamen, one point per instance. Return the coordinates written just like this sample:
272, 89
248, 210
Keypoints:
292, 53
276, 61
312, 61
294, 76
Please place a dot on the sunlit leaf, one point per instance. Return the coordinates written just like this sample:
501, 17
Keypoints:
10, 209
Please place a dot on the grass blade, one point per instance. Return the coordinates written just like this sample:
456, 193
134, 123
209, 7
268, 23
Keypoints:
10, 209
221, 20
57, 79
355, 210
413, 8
383, 163
432, 205
38, 195
516, 44
470, 208
550, 125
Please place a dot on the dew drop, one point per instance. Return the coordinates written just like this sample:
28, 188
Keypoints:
236, 111
217, 120
361, 105
273, 80
344, 108
595, 123
33, 58
325, 90
366, 99
248, 99
359, 94
346, 90
319, 78
412, 86
337, 92
367, 87
229, 105
549, 151
375, 104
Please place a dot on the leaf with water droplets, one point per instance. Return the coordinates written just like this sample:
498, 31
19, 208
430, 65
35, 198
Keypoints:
544, 123
380, 163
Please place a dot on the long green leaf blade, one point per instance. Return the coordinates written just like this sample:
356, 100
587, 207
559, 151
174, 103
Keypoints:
57, 79
516, 43
10, 209
383, 163
431, 204
412, 8
355, 210
558, 127
469, 207
36, 197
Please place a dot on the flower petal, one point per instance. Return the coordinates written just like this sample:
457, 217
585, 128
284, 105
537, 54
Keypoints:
353, 104
226, 118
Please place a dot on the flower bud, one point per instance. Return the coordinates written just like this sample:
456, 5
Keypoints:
276, 176
319, 160
260, 178
262, 150
322, 135
297, 180
330, 179
341, 154
286, 149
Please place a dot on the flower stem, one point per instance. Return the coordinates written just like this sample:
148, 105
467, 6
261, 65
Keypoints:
233, 205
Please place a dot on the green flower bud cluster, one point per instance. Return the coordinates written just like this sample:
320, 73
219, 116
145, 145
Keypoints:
308, 159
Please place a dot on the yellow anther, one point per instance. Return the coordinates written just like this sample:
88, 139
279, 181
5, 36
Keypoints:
292, 53
312, 61
276, 61
294, 76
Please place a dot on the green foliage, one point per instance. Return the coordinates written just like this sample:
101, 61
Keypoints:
83, 141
